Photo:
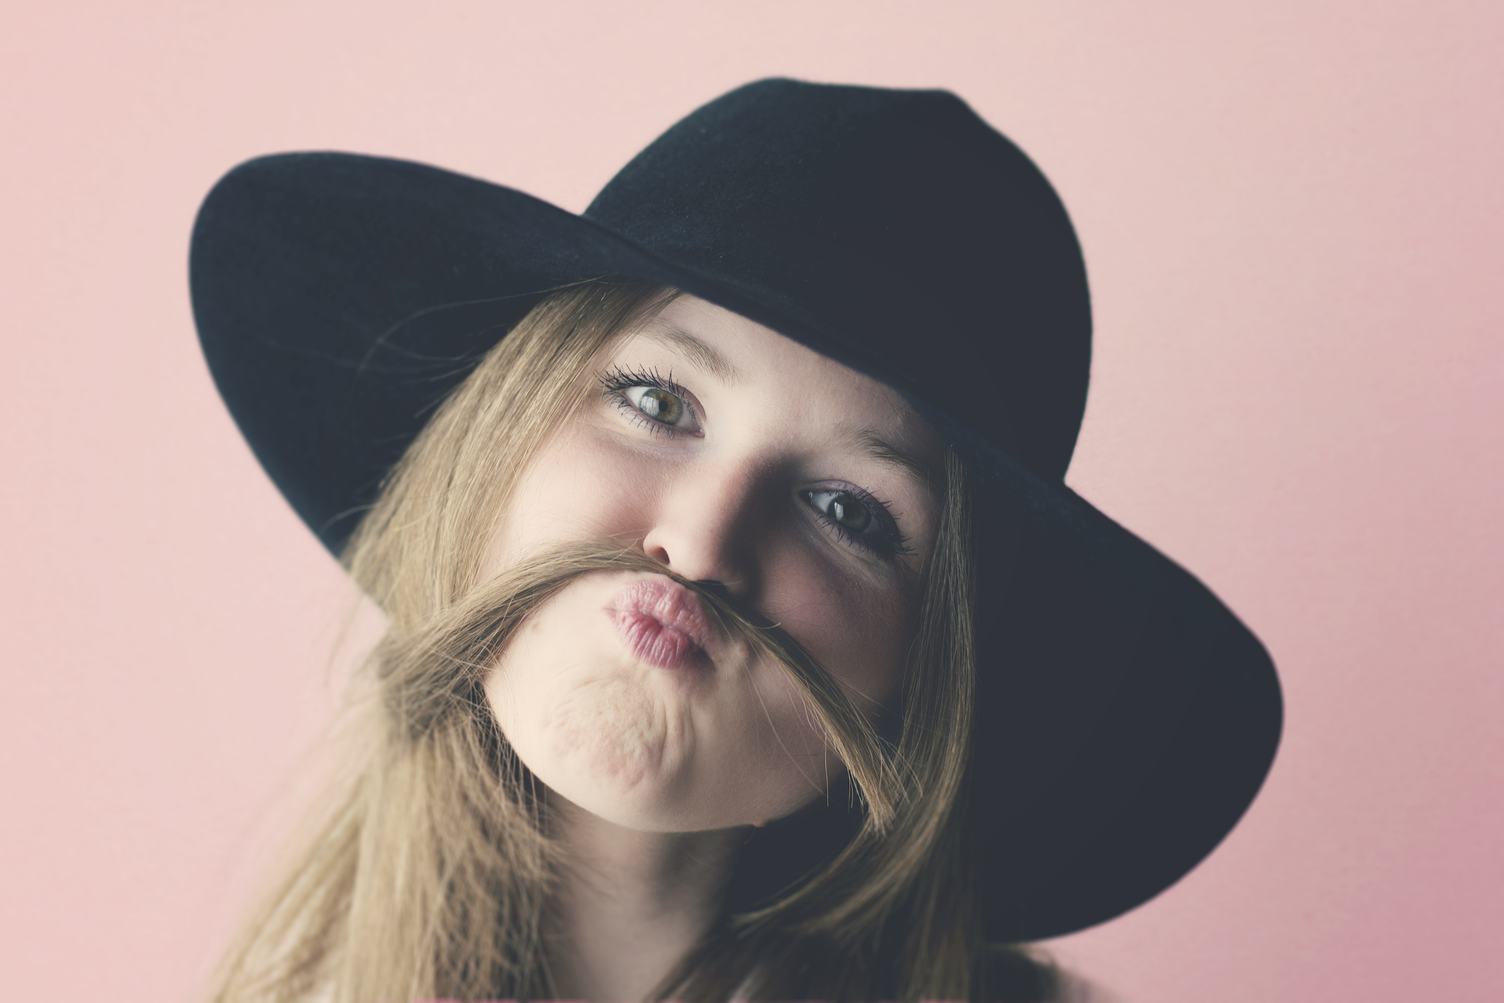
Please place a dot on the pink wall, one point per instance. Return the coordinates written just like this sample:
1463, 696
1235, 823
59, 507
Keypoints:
1292, 218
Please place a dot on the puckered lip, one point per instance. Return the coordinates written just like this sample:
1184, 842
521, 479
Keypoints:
672, 605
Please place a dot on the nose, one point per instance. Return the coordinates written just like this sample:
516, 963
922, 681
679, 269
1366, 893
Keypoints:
705, 526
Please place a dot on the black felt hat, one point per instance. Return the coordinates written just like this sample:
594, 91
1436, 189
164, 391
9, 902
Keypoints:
1126, 717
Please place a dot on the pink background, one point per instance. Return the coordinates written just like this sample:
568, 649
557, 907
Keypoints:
1291, 213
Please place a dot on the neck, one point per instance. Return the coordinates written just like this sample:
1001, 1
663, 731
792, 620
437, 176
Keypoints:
631, 903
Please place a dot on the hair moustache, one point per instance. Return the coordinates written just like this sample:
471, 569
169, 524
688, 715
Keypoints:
438, 671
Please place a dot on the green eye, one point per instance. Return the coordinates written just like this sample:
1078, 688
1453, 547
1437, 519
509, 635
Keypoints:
660, 405
860, 519
659, 408
846, 506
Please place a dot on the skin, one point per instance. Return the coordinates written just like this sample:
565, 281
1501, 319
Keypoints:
658, 773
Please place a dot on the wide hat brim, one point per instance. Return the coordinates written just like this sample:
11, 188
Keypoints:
1126, 717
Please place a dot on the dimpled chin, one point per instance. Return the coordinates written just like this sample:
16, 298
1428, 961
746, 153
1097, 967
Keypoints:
611, 730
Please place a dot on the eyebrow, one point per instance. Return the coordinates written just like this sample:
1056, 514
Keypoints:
707, 359
880, 449
699, 354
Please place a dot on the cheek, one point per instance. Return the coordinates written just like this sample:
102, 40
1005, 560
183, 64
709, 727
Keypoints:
571, 489
609, 728
857, 631
589, 723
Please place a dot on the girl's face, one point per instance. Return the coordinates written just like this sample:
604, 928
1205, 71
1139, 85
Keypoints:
729, 452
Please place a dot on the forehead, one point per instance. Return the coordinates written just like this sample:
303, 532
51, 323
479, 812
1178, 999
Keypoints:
742, 351
738, 354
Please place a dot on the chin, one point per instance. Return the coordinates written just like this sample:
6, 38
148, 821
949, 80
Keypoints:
648, 800
641, 810
705, 807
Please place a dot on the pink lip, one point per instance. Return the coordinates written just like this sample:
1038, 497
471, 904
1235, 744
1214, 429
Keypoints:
663, 623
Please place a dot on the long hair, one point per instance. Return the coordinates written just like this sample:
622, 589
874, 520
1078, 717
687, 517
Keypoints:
426, 869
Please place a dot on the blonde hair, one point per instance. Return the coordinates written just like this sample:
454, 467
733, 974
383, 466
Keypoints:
425, 870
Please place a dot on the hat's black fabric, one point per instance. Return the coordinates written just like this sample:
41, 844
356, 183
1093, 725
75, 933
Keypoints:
1127, 717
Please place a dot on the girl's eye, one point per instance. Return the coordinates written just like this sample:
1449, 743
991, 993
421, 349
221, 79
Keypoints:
659, 407
855, 516
862, 519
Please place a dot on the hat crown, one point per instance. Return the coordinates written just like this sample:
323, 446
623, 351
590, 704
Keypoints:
904, 236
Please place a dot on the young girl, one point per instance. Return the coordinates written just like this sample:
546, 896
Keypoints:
741, 640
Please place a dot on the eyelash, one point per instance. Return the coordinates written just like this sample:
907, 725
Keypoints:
889, 544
